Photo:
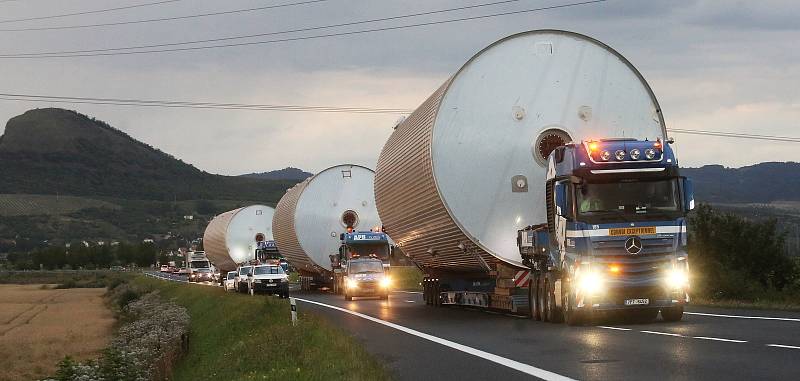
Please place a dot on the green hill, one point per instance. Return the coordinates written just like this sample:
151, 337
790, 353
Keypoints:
56, 151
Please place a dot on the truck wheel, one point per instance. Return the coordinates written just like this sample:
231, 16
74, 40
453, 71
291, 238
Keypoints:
672, 313
572, 316
553, 312
348, 297
541, 286
533, 298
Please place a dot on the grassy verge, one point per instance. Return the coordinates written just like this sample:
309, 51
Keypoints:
754, 305
406, 278
66, 279
242, 337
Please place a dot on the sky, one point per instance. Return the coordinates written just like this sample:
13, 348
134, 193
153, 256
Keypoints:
730, 66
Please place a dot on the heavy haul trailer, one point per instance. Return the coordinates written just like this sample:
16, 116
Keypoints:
468, 168
239, 236
311, 217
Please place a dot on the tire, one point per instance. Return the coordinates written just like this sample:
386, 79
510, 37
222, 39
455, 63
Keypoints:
672, 314
348, 297
572, 316
541, 286
553, 312
533, 298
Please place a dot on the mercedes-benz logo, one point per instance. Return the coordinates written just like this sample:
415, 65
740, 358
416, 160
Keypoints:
633, 245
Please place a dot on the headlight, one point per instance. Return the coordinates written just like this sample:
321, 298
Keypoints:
605, 155
677, 278
635, 154
619, 155
352, 283
650, 153
386, 282
590, 282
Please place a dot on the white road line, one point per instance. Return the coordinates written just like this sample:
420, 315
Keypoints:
662, 333
524, 368
783, 346
743, 317
614, 328
719, 339
410, 301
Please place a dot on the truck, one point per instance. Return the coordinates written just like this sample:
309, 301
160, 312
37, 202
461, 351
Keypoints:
199, 267
465, 185
311, 217
361, 267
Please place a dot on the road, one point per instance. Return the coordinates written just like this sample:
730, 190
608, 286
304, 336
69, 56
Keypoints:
419, 342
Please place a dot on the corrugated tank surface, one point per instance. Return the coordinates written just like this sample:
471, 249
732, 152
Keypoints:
230, 238
311, 217
283, 229
448, 174
214, 241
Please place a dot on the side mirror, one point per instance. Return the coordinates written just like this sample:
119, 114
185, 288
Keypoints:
688, 194
249, 274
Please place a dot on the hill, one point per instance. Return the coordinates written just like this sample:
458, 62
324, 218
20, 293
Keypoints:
56, 151
288, 173
759, 183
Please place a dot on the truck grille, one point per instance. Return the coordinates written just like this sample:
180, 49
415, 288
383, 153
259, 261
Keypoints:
638, 270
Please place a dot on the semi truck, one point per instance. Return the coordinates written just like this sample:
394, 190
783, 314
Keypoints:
361, 267
311, 216
466, 185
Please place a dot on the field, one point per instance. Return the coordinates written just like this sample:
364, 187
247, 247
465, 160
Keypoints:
33, 204
225, 343
39, 326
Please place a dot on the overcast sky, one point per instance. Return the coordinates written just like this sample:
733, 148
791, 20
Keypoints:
730, 66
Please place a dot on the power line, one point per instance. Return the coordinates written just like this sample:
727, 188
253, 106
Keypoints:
737, 135
307, 108
271, 33
199, 105
110, 51
162, 18
89, 12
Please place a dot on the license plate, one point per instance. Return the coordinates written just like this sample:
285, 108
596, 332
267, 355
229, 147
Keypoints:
271, 284
637, 302
256, 281
644, 230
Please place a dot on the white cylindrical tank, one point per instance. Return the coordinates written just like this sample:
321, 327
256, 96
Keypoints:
466, 170
310, 217
231, 237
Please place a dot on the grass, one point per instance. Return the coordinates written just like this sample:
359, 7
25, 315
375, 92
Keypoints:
754, 305
66, 279
34, 204
39, 326
406, 278
242, 337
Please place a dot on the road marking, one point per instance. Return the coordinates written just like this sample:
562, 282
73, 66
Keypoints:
524, 368
410, 301
783, 346
662, 333
743, 317
719, 339
614, 328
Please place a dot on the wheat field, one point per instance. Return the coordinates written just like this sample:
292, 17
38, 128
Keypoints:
39, 326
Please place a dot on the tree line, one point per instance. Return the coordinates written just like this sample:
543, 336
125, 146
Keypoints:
85, 257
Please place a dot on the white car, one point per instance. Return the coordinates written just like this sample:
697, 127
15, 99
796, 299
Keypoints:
240, 281
229, 284
269, 279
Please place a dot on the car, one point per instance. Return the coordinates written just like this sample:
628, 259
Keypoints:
269, 279
229, 284
366, 277
240, 281
201, 275
164, 268
183, 271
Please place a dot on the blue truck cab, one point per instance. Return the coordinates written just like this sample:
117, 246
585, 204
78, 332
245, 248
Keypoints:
615, 237
361, 267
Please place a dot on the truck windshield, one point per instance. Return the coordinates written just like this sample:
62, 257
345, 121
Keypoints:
628, 201
264, 270
366, 267
199, 264
244, 270
232, 275
379, 250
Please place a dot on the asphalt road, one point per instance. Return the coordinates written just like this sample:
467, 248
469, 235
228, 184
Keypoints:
419, 342
695, 348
